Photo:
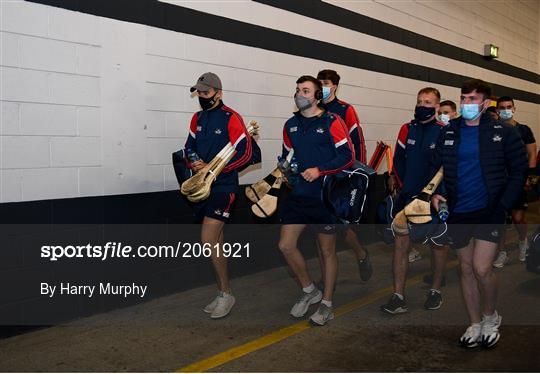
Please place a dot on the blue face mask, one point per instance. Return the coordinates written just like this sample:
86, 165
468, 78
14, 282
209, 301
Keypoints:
326, 92
470, 111
444, 118
506, 114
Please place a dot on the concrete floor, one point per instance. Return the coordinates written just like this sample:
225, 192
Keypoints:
171, 333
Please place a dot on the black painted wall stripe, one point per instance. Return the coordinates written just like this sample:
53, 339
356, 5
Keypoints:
338, 16
176, 18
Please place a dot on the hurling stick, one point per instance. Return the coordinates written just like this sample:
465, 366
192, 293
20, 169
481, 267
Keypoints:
195, 181
419, 210
201, 191
374, 155
379, 159
258, 189
389, 159
399, 224
267, 206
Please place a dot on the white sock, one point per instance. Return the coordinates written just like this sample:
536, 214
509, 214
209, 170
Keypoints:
399, 295
309, 289
492, 317
326, 302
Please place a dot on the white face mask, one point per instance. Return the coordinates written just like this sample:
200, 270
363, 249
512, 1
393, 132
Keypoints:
506, 113
444, 118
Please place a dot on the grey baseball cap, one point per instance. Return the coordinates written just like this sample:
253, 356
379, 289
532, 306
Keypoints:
206, 81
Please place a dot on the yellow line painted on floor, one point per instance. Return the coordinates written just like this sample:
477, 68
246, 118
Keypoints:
286, 332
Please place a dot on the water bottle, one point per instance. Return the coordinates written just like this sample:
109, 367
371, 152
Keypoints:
443, 211
292, 176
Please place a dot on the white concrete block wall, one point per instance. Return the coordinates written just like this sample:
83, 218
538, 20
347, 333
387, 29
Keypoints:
92, 106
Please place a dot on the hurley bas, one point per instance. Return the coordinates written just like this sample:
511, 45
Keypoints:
89, 290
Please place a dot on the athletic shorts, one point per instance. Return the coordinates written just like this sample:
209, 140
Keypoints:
521, 203
311, 212
480, 224
218, 206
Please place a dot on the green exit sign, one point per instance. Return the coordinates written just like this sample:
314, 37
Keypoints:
491, 51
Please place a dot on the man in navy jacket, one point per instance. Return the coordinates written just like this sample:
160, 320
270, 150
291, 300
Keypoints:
330, 82
321, 146
210, 130
485, 167
412, 169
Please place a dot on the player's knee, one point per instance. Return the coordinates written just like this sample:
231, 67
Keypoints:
286, 247
466, 269
328, 251
483, 271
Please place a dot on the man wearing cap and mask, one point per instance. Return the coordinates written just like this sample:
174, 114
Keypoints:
210, 130
321, 146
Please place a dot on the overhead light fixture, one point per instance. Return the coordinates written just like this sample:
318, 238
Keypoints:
491, 51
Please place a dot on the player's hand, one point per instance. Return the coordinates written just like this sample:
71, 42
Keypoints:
198, 165
392, 183
436, 200
311, 174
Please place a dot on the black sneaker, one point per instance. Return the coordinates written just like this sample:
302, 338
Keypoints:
395, 305
433, 300
365, 268
428, 279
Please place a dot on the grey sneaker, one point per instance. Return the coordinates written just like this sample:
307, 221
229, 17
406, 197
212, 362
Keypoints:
322, 315
302, 305
224, 304
502, 259
490, 330
523, 249
365, 268
395, 305
471, 337
414, 255
433, 300
210, 307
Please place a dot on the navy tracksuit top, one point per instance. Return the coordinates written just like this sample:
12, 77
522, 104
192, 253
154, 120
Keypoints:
210, 131
348, 115
413, 153
323, 142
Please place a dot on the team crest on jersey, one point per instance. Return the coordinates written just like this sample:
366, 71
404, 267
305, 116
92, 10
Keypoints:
320, 130
497, 138
432, 146
411, 141
217, 131
293, 129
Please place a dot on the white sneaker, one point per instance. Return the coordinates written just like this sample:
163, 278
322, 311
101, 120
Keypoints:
414, 255
472, 336
490, 330
210, 307
322, 315
502, 259
523, 249
224, 304
302, 305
